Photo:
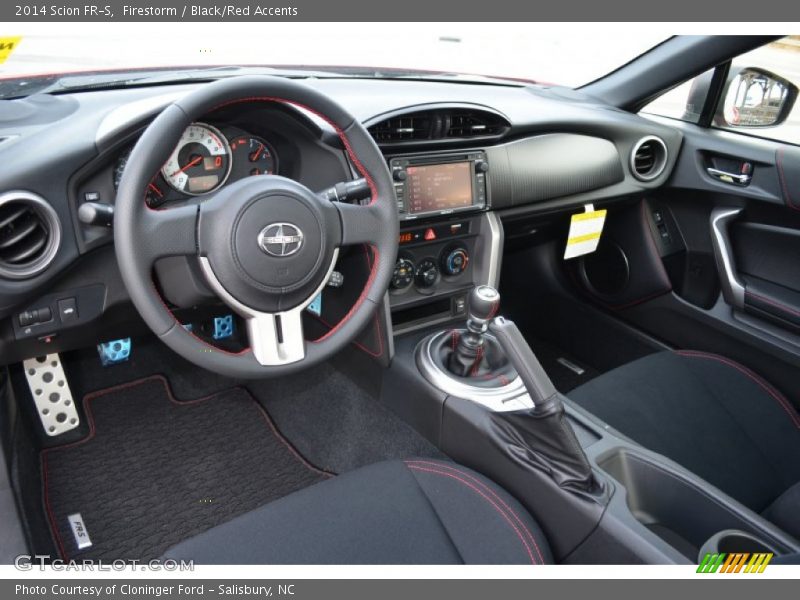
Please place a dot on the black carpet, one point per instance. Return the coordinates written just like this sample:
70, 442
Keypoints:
154, 470
332, 416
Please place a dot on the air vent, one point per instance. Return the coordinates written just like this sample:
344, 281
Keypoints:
470, 124
404, 129
438, 124
29, 234
648, 158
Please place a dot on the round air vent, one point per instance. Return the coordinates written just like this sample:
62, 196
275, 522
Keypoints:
648, 158
30, 233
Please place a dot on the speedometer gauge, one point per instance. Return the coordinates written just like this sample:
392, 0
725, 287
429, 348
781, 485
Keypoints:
200, 163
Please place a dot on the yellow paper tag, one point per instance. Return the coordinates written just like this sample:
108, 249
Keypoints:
7, 45
584, 232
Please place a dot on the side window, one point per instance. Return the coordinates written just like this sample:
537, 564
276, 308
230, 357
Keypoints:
759, 97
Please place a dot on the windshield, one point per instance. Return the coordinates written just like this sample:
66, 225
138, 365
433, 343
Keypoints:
526, 52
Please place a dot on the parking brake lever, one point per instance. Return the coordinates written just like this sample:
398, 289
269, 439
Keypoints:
540, 388
548, 437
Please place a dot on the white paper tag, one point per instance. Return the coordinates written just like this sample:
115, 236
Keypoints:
584, 232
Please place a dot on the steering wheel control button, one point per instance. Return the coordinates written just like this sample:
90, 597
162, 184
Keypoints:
68, 310
280, 239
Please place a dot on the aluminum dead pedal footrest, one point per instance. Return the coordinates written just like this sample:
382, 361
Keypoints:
51, 394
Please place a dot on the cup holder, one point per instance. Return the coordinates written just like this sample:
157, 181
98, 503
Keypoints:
733, 540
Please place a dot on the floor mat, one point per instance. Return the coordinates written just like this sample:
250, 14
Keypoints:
154, 470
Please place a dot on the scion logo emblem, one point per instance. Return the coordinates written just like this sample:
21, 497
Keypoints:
280, 239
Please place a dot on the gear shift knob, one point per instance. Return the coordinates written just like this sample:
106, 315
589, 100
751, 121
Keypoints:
468, 354
482, 306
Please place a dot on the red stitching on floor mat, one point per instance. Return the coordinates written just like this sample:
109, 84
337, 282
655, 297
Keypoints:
92, 431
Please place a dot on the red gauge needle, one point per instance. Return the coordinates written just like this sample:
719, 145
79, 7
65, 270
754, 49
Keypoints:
155, 190
191, 163
254, 156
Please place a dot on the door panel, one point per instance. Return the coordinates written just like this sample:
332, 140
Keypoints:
768, 258
735, 273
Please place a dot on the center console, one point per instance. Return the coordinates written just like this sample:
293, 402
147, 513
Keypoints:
449, 240
481, 396
466, 379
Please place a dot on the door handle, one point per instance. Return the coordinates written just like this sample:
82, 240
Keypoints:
732, 178
732, 287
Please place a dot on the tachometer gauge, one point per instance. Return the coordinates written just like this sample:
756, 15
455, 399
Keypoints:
154, 195
253, 152
200, 163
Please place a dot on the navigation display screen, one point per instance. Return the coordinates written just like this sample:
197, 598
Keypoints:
439, 187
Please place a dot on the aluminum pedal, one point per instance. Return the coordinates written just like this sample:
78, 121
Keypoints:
51, 394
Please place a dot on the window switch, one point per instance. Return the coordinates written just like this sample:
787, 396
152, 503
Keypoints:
67, 310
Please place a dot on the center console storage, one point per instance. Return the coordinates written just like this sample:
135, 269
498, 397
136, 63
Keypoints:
681, 513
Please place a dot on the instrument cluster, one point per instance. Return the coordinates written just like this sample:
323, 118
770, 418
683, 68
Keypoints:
204, 159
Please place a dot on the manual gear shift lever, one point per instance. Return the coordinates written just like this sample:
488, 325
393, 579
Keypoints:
482, 306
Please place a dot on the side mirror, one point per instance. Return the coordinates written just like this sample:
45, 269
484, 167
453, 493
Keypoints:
755, 98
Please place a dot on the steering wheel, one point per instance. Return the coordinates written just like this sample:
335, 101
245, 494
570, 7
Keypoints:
266, 245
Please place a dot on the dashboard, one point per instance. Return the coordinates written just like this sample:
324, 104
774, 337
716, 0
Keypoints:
464, 159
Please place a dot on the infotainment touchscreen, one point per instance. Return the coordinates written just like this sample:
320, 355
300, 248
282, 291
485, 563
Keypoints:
433, 188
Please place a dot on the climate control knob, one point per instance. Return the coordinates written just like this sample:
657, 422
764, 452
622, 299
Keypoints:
403, 275
427, 274
455, 261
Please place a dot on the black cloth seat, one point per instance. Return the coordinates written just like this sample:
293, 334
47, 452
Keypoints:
713, 416
418, 511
